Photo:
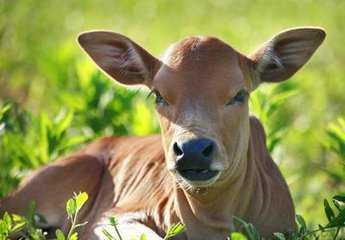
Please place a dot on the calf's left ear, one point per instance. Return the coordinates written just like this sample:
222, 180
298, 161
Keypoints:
283, 55
118, 56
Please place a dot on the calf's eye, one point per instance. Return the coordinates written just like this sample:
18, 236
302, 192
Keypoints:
239, 98
159, 99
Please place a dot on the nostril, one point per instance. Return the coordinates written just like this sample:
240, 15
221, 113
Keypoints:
177, 150
208, 150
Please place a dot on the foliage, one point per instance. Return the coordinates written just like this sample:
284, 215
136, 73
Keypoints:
73, 207
334, 145
331, 230
174, 230
266, 104
27, 227
336, 134
30, 140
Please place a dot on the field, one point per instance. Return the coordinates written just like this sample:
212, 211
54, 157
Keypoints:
54, 100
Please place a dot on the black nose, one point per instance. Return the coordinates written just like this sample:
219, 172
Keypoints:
193, 158
199, 148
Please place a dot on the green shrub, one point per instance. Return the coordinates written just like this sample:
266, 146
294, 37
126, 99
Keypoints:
27, 228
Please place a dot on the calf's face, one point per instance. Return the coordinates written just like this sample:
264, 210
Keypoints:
202, 100
202, 87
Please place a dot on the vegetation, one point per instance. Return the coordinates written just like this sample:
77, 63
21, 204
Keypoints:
54, 100
27, 227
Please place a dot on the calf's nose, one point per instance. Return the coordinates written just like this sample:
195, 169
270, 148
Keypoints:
194, 153
193, 159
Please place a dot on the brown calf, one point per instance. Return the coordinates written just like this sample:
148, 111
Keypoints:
209, 164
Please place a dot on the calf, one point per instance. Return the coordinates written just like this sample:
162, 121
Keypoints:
210, 162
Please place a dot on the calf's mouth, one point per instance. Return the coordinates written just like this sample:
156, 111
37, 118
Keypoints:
199, 174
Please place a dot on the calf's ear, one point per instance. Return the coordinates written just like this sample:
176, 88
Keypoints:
119, 57
284, 54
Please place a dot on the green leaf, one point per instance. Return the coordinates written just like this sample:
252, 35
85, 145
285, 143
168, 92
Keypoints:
301, 222
339, 220
240, 221
340, 198
63, 121
237, 236
113, 221
8, 220
43, 147
107, 234
18, 226
328, 210
74, 236
71, 207
17, 218
174, 230
143, 237
59, 235
248, 228
31, 213
279, 236
80, 200
252, 232
4, 230
337, 204
4, 109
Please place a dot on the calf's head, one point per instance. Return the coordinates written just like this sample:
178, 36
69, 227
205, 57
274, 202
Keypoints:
202, 87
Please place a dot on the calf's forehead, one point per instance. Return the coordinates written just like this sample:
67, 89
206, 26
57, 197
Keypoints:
200, 65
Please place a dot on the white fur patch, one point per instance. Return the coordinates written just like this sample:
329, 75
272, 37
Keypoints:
127, 226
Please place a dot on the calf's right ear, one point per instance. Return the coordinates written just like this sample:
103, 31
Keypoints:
284, 54
119, 57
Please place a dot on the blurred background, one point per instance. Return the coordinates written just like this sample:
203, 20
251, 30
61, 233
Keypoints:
54, 100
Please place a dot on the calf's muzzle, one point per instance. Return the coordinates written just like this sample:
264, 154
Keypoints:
194, 158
